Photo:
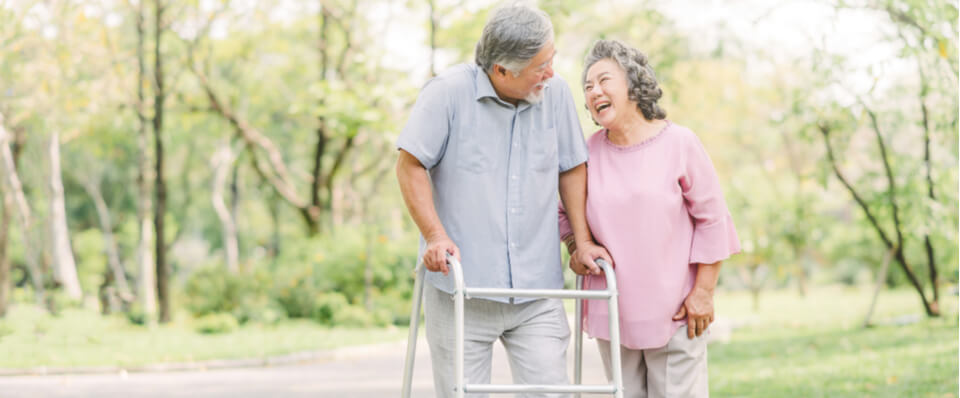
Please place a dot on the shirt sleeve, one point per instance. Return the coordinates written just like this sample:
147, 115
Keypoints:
571, 148
714, 235
428, 129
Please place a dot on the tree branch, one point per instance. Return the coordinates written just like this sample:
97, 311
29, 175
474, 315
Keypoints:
825, 132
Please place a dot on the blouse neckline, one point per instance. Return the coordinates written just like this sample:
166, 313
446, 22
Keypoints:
632, 147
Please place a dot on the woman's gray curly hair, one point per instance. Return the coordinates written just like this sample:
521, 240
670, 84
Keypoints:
642, 86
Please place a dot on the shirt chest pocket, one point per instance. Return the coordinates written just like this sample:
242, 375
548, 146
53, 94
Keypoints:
477, 149
543, 155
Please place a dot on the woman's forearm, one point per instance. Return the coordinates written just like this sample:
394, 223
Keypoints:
707, 276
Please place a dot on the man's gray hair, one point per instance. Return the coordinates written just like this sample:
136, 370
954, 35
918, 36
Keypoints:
513, 35
642, 86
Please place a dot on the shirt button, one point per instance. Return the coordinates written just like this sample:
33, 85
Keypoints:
513, 178
513, 245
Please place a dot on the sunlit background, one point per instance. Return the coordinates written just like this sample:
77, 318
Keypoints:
208, 168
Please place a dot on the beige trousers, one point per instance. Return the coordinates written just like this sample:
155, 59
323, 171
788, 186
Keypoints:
676, 370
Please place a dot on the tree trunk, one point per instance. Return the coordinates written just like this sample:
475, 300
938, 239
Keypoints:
222, 159
881, 278
274, 205
109, 243
433, 36
64, 265
799, 270
312, 218
146, 283
931, 257
4, 257
31, 255
160, 189
235, 206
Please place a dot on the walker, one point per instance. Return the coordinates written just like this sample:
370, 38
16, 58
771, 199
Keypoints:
462, 292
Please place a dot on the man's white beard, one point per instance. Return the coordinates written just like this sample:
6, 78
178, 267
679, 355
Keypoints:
536, 96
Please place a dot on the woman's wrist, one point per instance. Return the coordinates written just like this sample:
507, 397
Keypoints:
571, 243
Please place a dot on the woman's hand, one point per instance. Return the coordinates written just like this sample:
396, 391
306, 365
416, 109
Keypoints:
582, 259
698, 309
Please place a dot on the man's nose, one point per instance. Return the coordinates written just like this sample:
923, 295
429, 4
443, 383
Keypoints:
548, 73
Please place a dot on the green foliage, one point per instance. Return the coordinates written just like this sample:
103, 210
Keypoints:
319, 278
212, 290
327, 307
217, 323
136, 315
91, 260
353, 316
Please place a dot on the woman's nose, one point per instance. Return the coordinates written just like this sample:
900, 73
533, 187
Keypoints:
593, 92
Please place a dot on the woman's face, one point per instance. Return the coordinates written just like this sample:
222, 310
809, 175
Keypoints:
605, 92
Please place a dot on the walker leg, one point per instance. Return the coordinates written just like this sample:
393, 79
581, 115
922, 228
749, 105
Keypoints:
458, 297
615, 364
578, 338
414, 326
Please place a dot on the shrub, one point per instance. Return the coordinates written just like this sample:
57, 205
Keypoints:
353, 316
318, 277
295, 291
212, 289
216, 324
327, 306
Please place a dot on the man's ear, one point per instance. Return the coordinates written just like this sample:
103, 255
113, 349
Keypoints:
500, 70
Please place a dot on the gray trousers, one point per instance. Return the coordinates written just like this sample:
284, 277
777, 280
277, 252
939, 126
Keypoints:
676, 370
535, 335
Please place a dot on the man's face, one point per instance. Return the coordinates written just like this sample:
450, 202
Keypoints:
531, 81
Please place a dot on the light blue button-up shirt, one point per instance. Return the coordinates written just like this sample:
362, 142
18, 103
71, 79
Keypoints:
495, 173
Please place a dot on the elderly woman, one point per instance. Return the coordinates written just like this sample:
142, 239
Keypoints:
654, 201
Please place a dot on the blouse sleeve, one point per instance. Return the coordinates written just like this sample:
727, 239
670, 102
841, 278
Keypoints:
714, 235
565, 229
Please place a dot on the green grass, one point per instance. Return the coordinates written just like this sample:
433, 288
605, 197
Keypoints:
792, 346
77, 337
814, 346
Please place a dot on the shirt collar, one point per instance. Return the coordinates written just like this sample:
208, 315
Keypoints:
484, 86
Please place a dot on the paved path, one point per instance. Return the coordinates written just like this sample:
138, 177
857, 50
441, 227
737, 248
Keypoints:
370, 373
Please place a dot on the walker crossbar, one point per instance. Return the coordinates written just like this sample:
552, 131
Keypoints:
462, 292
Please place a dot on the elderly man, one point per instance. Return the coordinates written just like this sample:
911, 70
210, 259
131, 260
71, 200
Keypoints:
481, 159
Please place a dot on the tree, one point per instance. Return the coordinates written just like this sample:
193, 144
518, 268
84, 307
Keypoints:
907, 179
65, 267
15, 190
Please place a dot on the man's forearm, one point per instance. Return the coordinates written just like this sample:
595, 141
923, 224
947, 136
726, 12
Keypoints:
573, 193
418, 196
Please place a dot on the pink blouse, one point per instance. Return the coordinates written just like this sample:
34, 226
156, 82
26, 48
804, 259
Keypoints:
658, 208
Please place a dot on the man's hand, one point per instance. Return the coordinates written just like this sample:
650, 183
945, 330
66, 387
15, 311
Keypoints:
698, 308
435, 257
582, 259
